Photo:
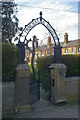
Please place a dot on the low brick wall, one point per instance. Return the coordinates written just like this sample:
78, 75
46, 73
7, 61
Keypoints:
8, 98
71, 88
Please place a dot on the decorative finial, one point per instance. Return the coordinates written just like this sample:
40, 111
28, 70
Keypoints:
40, 15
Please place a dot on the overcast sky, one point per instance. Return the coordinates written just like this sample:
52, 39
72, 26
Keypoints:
63, 16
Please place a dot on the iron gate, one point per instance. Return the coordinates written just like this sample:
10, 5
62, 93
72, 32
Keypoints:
34, 89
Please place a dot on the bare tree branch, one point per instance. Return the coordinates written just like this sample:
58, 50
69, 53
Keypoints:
27, 47
33, 52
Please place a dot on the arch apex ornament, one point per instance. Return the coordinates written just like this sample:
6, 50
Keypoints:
36, 22
24, 33
40, 15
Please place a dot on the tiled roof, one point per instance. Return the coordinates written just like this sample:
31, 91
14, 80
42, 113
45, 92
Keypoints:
44, 47
68, 44
71, 43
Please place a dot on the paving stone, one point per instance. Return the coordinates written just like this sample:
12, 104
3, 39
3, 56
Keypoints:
44, 109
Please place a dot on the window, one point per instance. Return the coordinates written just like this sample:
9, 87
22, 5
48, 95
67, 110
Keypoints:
48, 53
30, 54
66, 51
72, 50
42, 54
35, 56
78, 49
38, 55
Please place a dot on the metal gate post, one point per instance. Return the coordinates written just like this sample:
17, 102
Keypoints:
57, 54
21, 50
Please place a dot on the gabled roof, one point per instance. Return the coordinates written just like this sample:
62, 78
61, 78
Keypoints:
68, 44
71, 43
44, 47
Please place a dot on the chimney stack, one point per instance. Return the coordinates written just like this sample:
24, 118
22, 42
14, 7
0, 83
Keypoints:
65, 38
49, 42
36, 44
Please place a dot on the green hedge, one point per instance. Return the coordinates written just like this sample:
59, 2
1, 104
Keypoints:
73, 64
71, 61
9, 62
45, 77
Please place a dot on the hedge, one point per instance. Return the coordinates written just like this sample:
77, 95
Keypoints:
45, 77
71, 61
9, 62
73, 64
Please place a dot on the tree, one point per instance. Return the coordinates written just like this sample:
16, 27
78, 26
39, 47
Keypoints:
26, 43
9, 21
32, 51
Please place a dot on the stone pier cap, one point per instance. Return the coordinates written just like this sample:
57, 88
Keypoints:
54, 65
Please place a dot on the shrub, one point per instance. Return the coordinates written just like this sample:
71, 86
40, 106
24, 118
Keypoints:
45, 77
71, 61
36, 71
9, 62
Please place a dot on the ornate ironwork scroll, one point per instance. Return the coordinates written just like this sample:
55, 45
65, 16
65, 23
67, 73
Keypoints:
23, 35
36, 22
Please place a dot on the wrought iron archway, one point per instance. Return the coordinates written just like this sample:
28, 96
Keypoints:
36, 22
29, 27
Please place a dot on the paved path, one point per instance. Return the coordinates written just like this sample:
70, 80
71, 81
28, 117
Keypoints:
45, 109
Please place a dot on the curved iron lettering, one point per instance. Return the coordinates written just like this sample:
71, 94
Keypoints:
24, 33
36, 22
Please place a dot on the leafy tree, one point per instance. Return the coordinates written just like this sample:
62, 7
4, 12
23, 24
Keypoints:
9, 20
9, 62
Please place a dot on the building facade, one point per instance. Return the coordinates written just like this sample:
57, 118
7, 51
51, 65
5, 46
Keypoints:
68, 47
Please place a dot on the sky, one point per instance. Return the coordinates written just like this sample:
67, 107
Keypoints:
62, 15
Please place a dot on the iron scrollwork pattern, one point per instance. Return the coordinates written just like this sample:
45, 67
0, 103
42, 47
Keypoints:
36, 22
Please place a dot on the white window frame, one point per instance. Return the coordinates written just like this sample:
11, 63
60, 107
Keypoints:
48, 53
66, 51
42, 53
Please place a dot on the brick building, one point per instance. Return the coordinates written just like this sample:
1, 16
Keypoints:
68, 47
